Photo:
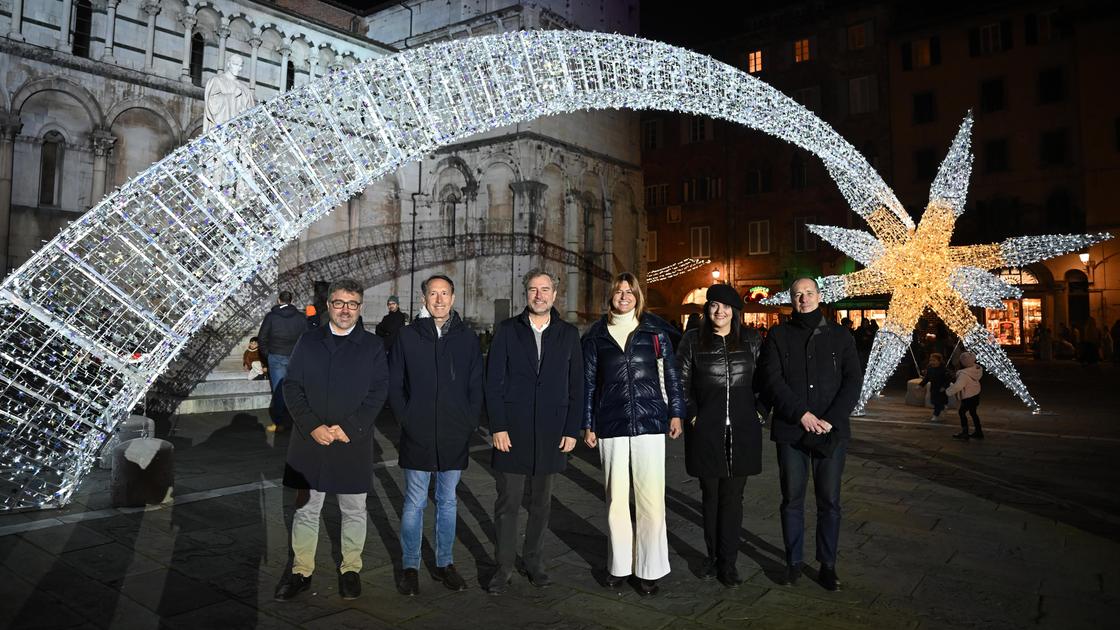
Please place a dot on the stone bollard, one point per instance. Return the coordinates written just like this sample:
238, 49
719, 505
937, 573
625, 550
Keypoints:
143, 472
134, 427
916, 393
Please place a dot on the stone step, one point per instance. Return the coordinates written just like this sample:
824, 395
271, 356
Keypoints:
230, 386
224, 402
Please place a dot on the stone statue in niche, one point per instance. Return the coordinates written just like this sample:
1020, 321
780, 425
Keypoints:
226, 95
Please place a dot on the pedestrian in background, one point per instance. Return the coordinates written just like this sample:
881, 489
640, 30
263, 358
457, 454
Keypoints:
279, 332
967, 386
392, 323
629, 407
937, 377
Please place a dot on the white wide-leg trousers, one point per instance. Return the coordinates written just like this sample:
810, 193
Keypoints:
640, 548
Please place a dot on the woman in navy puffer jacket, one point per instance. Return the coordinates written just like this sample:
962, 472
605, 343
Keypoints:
628, 409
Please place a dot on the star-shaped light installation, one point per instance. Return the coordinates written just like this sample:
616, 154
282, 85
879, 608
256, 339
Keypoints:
920, 270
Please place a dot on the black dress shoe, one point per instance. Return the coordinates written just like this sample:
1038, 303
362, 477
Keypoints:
293, 584
730, 578
828, 578
977, 435
709, 569
540, 579
615, 581
409, 583
963, 436
349, 586
791, 575
500, 582
450, 578
648, 588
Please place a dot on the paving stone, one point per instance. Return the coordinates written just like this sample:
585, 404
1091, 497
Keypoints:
621, 611
227, 614
168, 591
65, 538
351, 619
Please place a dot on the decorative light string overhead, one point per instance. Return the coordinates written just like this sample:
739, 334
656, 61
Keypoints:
676, 269
920, 270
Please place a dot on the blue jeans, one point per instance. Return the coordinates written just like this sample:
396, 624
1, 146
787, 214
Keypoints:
277, 370
416, 484
793, 470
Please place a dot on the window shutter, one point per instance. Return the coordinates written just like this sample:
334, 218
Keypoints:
934, 50
1030, 29
907, 56
973, 42
1005, 34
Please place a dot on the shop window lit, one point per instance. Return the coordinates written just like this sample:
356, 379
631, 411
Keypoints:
754, 61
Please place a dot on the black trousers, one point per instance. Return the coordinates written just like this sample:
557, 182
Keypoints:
969, 405
511, 489
723, 518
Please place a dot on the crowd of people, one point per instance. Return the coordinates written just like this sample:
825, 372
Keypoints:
631, 383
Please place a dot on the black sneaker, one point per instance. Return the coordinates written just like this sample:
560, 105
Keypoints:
450, 578
349, 585
977, 435
963, 436
409, 583
293, 584
709, 569
828, 577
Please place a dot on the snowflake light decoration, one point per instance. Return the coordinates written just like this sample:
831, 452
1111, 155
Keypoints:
919, 269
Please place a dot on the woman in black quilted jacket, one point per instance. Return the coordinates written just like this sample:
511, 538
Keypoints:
722, 432
632, 400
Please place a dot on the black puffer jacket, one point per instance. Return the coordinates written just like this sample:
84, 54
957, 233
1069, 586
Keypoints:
718, 383
280, 330
622, 388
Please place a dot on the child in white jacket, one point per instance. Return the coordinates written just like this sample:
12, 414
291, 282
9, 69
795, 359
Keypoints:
967, 384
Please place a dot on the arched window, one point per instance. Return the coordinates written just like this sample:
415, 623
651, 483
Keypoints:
50, 169
198, 49
449, 200
290, 78
83, 22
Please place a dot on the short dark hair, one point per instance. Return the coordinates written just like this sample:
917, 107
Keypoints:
348, 285
799, 279
438, 276
536, 273
252, 339
285, 297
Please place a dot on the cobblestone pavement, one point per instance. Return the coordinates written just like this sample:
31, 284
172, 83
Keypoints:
1018, 530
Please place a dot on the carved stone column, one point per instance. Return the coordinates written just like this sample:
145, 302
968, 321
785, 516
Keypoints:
223, 35
151, 7
9, 128
67, 15
285, 51
313, 64
101, 141
14, 33
188, 21
110, 29
573, 213
254, 41
528, 197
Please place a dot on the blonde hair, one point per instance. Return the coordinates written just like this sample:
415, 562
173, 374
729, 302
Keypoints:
636, 288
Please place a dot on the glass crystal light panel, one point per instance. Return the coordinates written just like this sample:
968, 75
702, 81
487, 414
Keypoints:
92, 319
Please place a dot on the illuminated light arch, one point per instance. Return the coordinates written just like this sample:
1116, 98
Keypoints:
91, 320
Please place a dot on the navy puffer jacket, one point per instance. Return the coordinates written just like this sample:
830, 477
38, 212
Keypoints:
622, 388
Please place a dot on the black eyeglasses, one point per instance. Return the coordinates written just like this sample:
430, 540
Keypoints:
341, 304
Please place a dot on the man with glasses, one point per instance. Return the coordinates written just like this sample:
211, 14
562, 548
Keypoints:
436, 394
334, 390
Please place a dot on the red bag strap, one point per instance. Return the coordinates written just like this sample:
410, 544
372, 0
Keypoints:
656, 346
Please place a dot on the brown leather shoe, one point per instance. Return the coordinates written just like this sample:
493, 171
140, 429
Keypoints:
450, 578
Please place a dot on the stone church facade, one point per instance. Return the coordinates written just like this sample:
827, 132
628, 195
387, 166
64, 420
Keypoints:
86, 107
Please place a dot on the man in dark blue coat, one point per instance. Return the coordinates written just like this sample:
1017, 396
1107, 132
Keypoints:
812, 378
436, 392
334, 389
534, 394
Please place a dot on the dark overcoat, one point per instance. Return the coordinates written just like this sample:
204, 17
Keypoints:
815, 371
538, 403
334, 380
622, 386
435, 388
718, 378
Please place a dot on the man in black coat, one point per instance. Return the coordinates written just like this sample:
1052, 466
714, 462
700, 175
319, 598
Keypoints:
436, 392
334, 390
392, 323
279, 331
812, 379
534, 393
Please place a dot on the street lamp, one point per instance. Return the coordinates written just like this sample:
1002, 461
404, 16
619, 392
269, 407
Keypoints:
715, 275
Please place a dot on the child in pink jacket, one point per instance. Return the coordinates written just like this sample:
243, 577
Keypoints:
967, 384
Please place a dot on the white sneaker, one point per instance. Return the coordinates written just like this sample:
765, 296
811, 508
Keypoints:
935, 419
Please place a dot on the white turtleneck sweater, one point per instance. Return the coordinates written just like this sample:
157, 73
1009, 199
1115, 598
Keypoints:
621, 326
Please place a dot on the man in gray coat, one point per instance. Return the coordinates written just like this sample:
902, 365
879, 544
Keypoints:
336, 385
534, 395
